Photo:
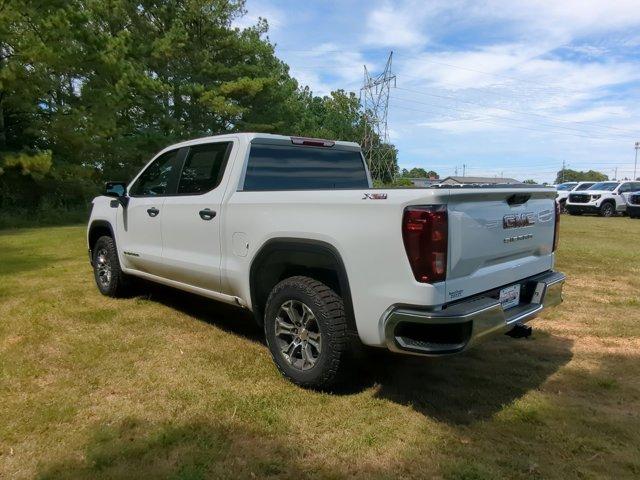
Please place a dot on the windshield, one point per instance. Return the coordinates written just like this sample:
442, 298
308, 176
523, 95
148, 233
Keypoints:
610, 186
566, 186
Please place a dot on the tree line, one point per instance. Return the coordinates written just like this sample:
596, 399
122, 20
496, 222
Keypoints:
90, 90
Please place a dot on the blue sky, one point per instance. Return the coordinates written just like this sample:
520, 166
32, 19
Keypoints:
506, 87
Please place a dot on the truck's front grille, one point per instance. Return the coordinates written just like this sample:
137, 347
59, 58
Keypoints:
635, 199
579, 198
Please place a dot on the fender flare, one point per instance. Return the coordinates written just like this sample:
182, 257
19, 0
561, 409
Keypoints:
298, 245
93, 226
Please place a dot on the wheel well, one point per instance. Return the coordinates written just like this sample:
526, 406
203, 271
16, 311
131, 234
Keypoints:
280, 259
97, 230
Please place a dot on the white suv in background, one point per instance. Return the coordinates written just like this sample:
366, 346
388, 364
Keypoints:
603, 198
564, 189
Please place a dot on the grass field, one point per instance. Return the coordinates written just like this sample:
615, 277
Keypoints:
167, 385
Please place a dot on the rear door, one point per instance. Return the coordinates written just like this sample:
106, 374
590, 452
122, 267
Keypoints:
139, 225
192, 217
496, 237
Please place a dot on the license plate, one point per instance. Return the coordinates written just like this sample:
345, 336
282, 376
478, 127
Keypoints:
510, 296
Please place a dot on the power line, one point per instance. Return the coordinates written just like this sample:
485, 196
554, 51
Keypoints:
557, 119
457, 99
413, 58
493, 123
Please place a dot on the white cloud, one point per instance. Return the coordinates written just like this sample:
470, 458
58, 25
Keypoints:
327, 67
257, 10
393, 25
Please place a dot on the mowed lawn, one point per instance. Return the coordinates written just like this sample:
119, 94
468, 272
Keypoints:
168, 385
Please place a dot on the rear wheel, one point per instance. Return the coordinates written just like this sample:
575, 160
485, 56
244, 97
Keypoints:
110, 278
306, 331
607, 209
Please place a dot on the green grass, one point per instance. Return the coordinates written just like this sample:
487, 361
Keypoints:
167, 385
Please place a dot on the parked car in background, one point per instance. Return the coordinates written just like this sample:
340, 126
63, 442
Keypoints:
602, 198
565, 188
291, 229
633, 203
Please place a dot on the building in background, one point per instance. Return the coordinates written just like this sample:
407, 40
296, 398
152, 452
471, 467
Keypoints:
423, 182
477, 181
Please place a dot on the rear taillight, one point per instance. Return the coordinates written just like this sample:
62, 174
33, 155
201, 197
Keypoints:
424, 231
556, 227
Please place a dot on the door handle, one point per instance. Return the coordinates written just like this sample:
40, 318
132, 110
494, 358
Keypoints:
153, 212
207, 214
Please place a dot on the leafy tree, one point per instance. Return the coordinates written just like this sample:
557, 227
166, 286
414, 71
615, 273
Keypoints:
569, 175
530, 182
419, 173
98, 87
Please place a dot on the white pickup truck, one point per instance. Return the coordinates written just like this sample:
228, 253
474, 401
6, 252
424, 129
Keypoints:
291, 229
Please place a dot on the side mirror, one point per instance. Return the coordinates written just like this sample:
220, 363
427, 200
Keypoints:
117, 190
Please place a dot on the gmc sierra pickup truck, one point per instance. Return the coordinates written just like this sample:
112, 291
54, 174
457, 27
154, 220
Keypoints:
291, 229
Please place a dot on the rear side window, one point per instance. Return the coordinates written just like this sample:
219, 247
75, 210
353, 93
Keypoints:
203, 168
159, 177
281, 167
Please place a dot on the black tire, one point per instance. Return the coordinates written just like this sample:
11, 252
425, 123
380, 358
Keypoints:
109, 277
607, 209
327, 323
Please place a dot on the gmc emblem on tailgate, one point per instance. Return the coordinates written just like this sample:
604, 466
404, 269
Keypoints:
516, 220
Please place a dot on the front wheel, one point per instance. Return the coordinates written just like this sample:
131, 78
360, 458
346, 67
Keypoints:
607, 210
110, 278
306, 331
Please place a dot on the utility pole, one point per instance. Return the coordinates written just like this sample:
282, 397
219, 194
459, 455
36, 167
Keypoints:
464, 169
374, 98
615, 175
635, 164
563, 168
456, 171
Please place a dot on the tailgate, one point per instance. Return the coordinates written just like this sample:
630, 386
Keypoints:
497, 237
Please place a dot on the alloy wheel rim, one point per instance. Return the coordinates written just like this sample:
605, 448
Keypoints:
103, 267
298, 335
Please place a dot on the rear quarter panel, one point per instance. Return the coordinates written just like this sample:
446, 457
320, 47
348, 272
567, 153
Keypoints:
366, 233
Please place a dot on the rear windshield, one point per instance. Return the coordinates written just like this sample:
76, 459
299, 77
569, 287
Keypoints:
282, 167
610, 186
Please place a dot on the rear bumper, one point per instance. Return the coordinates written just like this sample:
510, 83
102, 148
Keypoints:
463, 324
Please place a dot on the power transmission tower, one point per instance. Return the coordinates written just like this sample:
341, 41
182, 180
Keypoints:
374, 98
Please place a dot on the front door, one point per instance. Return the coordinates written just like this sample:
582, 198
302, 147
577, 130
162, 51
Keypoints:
140, 223
191, 222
